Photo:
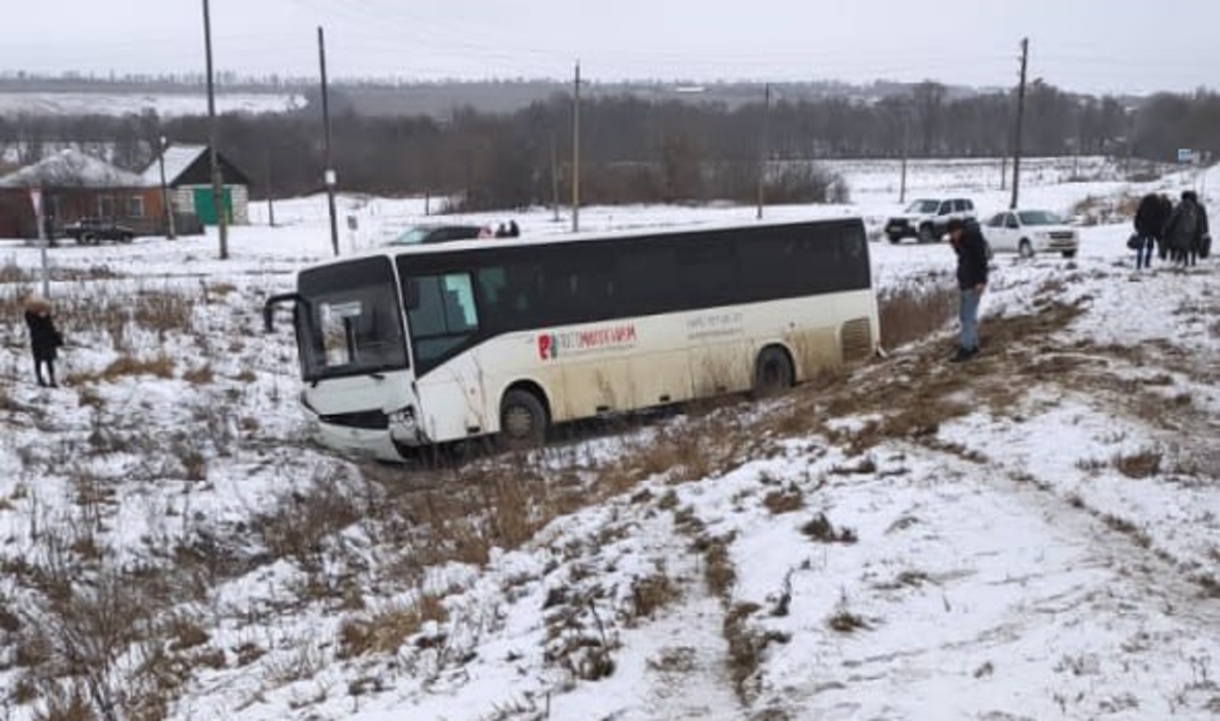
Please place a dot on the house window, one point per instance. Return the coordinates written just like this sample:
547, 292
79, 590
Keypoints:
135, 206
105, 206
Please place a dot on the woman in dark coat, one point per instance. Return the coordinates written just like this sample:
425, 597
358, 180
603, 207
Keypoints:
45, 338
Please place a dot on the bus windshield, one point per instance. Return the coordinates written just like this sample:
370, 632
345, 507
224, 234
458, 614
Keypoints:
349, 322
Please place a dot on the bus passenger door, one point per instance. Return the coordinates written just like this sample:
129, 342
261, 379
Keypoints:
443, 321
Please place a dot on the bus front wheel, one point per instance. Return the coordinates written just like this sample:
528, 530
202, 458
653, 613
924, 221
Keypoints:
523, 420
773, 372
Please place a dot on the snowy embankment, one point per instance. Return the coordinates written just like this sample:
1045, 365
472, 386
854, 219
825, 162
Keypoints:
1031, 535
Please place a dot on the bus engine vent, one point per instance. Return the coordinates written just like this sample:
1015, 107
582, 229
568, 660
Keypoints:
856, 339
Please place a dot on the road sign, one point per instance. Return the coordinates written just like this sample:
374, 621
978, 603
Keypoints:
1185, 155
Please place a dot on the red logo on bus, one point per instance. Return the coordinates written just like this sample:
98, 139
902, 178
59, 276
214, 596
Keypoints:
585, 341
546, 346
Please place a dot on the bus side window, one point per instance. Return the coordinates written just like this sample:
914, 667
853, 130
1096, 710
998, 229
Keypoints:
648, 275
446, 306
493, 296
460, 313
426, 314
445, 316
708, 271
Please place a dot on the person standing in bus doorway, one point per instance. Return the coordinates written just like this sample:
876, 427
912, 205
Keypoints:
45, 338
971, 252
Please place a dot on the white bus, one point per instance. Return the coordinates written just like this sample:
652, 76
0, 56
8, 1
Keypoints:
409, 346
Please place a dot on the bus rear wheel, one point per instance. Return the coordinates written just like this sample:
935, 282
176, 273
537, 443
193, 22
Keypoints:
523, 420
773, 373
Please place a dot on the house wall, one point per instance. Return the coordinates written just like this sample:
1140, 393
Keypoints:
139, 208
16, 214
184, 201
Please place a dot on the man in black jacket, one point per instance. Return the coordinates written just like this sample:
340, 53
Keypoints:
971, 252
45, 338
1150, 219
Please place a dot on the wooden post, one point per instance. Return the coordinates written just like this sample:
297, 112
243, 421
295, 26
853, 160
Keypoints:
763, 149
1016, 154
270, 194
576, 153
222, 221
329, 175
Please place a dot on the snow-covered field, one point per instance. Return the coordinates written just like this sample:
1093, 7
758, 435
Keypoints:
165, 104
1032, 535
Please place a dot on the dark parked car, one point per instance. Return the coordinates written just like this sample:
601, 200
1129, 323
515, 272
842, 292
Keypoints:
436, 234
92, 231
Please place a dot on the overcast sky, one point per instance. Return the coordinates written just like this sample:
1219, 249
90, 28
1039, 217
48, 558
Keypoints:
1088, 45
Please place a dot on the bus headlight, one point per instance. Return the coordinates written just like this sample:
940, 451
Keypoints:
403, 416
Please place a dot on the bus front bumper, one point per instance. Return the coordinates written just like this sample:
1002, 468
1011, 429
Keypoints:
382, 444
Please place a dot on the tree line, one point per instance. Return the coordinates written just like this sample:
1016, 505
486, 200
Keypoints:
635, 149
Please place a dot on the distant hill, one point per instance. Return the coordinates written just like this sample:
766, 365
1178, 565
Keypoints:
76, 94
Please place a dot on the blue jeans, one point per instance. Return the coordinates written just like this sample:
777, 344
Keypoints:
1143, 256
969, 313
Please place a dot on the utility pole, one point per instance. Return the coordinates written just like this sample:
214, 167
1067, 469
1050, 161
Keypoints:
554, 182
270, 194
1016, 148
1078, 146
576, 152
165, 199
764, 149
906, 151
222, 221
38, 199
329, 175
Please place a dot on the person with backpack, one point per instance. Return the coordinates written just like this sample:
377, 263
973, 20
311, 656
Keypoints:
1184, 231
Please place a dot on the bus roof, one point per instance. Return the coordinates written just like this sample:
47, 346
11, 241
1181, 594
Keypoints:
478, 244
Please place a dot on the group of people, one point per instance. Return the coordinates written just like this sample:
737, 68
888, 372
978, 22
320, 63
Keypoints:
1179, 233
511, 230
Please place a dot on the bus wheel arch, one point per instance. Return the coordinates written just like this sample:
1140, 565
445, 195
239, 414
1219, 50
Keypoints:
525, 416
774, 371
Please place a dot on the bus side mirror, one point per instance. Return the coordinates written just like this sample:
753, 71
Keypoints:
269, 308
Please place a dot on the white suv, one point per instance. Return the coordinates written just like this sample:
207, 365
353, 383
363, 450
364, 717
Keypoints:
927, 219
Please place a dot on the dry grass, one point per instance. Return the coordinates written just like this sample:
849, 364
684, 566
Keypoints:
12, 273
914, 311
386, 631
747, 648
201, 376
718, 570
1143, 464
844, 621
1096, 209
819, 528
788, 500
650, 594
305, 518
159, 366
